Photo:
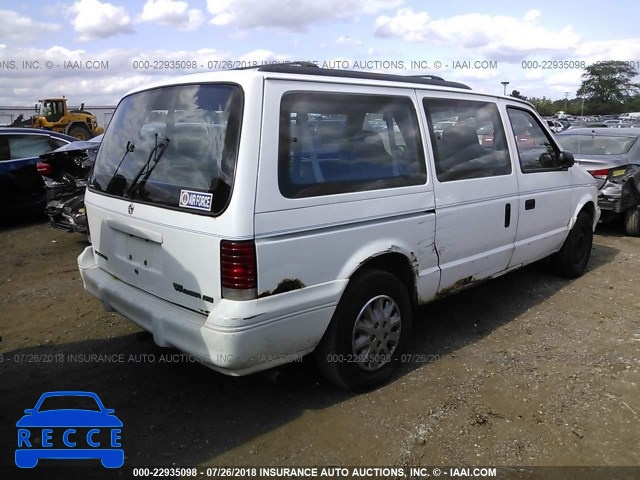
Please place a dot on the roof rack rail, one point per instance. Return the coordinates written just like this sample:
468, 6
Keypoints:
432, 77
291, 64
309, 68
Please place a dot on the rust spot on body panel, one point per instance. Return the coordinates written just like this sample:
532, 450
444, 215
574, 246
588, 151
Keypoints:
286, 285
459, 285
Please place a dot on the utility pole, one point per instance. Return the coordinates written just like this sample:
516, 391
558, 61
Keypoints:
566, 97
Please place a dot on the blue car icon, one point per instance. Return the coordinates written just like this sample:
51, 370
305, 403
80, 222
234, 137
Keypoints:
69, 425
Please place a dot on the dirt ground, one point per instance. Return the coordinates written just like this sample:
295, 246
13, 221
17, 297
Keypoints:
528, 369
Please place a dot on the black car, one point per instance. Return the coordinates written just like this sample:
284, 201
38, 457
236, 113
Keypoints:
21, 186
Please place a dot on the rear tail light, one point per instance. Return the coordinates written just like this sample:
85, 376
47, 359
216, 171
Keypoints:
604, 173
601, 174
238, 270
44, 168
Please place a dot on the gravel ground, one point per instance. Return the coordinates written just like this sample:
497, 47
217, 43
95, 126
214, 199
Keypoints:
525, 370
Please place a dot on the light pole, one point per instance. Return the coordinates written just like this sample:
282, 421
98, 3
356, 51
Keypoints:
582, 109
566, 97
504, 87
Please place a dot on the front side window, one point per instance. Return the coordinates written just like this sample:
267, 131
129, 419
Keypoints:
339, 143
53, 110
468, 139
535, 148
173, 146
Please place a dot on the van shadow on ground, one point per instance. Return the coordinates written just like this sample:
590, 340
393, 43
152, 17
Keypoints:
182, 413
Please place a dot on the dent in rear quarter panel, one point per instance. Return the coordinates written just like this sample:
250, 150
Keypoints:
315, 254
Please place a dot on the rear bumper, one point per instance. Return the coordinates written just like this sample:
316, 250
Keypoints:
237, 337
609, 204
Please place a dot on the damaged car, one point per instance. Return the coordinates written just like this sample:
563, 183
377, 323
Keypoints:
22, 191
612, 156
65, 173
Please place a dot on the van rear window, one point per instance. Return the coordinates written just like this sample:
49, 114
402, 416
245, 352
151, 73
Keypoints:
173, 146
338, 143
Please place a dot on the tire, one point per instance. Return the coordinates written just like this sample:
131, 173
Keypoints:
345, 355
571, 261
632, 222
80, 132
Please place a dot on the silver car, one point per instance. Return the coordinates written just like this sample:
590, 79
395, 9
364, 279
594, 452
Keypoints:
612, 156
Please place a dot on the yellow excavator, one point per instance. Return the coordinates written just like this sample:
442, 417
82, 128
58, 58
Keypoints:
53, 114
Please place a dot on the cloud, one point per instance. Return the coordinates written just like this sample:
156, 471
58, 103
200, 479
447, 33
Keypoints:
497, 37
532, 15
95, 20
172, 13
262, 55
626, 49
18, 28
348, 41
294, 16
123, 69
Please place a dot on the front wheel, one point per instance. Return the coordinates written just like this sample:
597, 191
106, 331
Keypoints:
632, 222
80, 132
368, 332
571, 261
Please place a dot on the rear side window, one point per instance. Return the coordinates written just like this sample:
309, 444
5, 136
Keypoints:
468, 139
338, 143
174, 147
14, 147
535, 148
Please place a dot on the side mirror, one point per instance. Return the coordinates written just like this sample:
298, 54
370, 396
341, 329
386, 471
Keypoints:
36, 109
29, 411
561, 160
566, 159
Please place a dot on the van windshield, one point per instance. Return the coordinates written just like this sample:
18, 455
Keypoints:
173, 146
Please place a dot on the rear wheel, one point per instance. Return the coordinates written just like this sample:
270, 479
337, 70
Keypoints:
80, 132
368, 332
632, 222
571, 261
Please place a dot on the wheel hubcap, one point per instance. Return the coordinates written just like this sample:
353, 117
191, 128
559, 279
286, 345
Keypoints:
376, 333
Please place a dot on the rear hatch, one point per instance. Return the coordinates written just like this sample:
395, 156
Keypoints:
161, 182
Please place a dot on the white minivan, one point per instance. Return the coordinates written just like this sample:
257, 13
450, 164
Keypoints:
250, 217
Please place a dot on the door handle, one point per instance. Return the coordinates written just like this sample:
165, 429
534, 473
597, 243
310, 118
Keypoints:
507, 215
530, 204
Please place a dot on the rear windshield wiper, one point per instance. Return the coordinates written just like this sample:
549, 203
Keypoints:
155, 155
130, 147
117, 183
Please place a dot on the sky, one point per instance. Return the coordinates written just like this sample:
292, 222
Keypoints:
95, 51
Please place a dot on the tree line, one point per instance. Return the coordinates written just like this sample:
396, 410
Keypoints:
607, 87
